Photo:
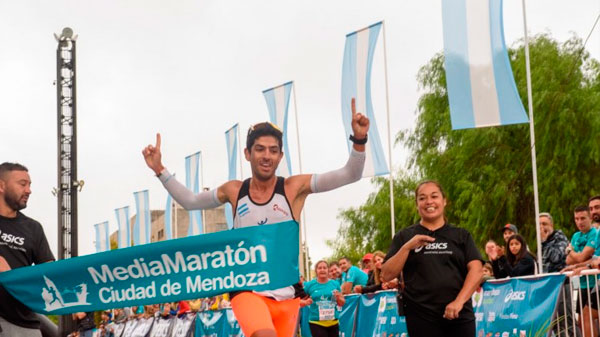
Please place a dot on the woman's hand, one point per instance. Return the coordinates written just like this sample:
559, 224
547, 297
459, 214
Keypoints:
305, 302
419, 241
358, 289
393, 284
453, 309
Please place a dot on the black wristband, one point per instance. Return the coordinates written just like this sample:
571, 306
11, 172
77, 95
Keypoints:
358, 141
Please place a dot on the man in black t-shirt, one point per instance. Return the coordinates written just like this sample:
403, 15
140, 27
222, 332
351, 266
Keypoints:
22, 243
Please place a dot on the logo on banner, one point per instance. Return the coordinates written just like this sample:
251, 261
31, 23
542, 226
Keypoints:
54, 299
514, 296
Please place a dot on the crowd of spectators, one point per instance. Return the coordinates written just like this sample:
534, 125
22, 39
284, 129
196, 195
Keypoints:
559, 254
89, 325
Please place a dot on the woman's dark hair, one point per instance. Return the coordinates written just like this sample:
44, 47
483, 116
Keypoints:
439, 186
319, 262
514, 259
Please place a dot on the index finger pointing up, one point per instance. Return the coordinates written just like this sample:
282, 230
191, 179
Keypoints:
158, 141
353, 107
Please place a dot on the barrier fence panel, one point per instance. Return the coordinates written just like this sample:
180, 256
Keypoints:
536, 306
518, 306
578, 305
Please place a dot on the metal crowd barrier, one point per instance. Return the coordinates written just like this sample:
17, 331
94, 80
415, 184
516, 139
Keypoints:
572, 317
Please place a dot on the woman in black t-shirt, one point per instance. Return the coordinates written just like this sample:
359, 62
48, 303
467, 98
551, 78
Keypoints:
441, 267
519, 261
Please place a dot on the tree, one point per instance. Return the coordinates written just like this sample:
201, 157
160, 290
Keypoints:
487, 172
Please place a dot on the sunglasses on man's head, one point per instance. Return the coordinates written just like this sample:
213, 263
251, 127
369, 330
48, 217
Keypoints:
263, 125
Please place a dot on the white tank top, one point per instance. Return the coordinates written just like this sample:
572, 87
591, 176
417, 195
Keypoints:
276, 209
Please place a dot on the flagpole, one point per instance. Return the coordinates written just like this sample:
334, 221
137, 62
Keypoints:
387, 106
240, 152
174, 206
202, 190
532, 139
303, 222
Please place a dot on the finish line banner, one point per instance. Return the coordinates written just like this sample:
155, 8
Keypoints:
252, 258
517, 307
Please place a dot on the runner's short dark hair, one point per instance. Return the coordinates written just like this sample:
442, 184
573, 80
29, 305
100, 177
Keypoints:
263, 129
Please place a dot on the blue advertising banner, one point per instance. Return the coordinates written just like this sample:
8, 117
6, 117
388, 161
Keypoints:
210, 323
378, 315
232, 327
348, 315
517, 307
258, 258
184, 325
217, 323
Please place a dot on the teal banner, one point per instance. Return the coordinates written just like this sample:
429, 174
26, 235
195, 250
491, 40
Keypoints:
217, 323
378, 315
348, 315
517, 307
252, 258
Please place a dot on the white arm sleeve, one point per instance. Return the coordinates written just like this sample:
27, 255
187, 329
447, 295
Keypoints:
187, 198
348, 174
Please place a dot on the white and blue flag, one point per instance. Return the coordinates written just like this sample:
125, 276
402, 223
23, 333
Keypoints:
356, 83
141, 227
278, 101
231, 140
169, 217
124, 226
481, 87
102, 239
192, 181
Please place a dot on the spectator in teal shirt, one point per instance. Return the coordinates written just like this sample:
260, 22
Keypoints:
352, 276
325, 297
582, 247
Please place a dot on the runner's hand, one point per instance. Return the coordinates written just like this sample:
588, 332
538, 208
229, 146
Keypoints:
358, 289
360, 123
152, 156
452, 310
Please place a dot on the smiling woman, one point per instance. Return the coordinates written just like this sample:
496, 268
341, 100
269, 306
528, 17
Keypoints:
441, 267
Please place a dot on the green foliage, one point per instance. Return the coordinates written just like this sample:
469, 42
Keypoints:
487, 172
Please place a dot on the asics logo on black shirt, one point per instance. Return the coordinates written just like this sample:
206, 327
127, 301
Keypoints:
433, 246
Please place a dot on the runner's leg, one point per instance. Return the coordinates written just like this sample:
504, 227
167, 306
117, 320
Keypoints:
285, 315
253, 315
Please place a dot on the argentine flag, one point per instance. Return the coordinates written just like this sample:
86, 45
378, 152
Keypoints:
124, 226
102, 239
481, 88
141, 227
231, 141
278, 100
192, 168
356, 83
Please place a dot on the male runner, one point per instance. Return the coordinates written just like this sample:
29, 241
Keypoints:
22, 243
266, 199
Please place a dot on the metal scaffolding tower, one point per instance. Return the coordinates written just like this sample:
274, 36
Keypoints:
68, 184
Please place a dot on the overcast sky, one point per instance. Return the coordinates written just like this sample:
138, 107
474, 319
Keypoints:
191, 69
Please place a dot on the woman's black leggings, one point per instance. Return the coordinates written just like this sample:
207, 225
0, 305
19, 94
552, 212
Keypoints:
321, 331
